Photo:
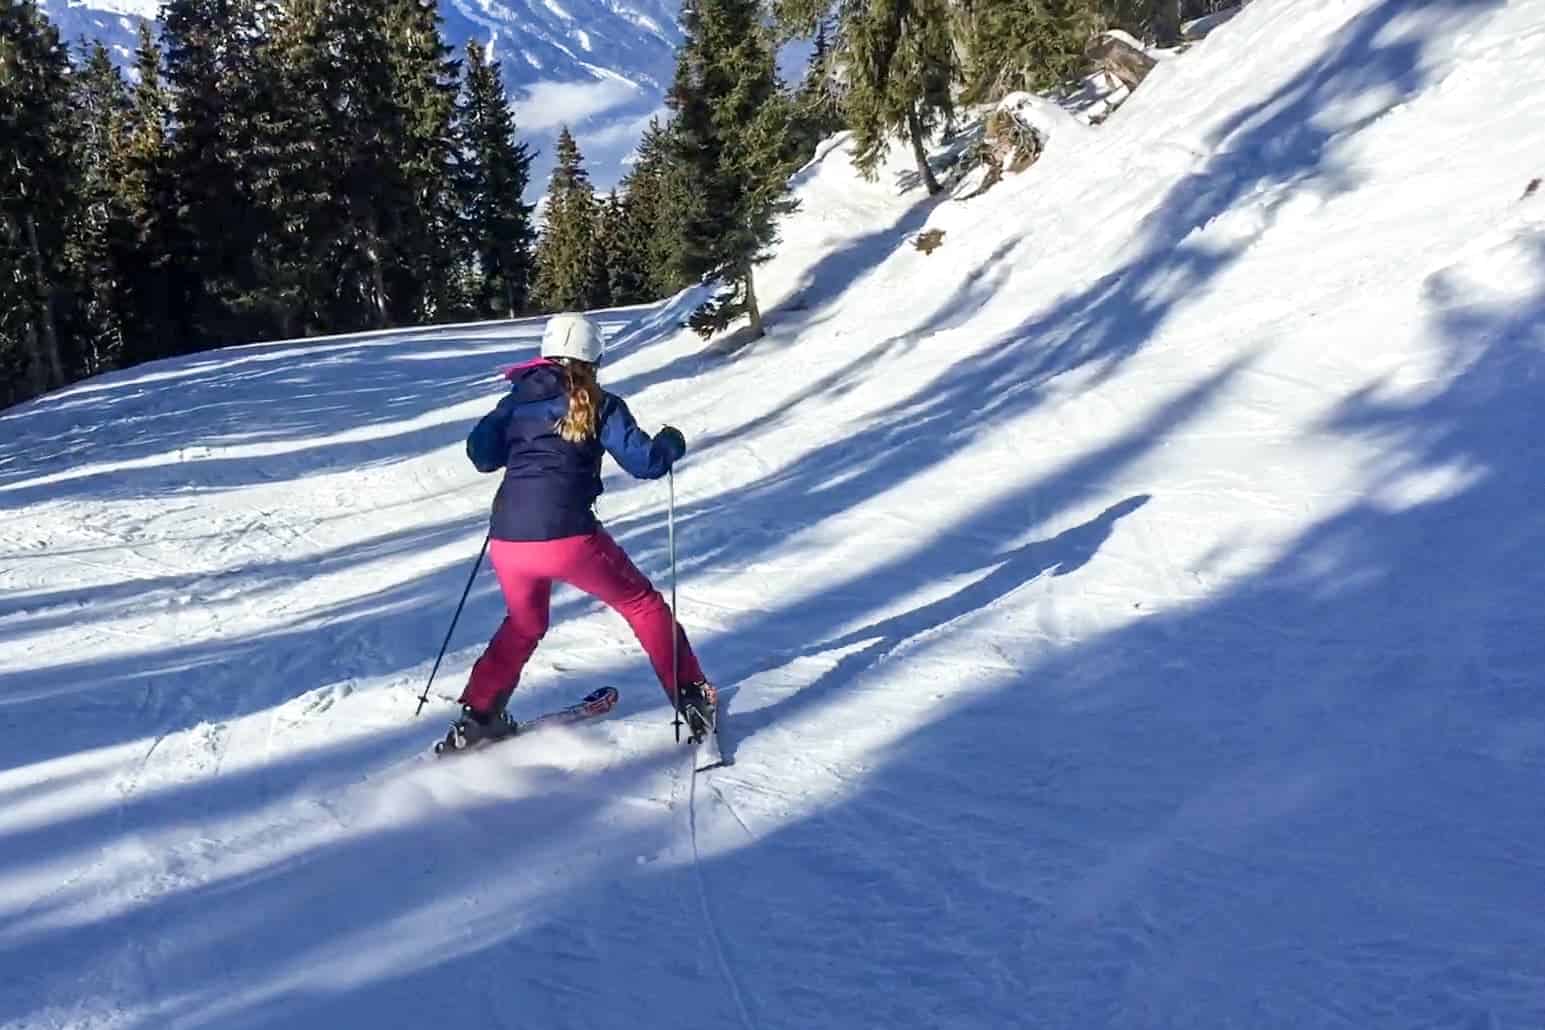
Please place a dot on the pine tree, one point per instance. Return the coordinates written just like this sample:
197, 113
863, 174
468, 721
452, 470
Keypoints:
99, 111
732, 138
363, 191
219, 109
620, 250
656, 200
495, 175
799, 19
334, 137
424, 236
145, 198
35, 198
1019, 46
818, 106
313, 267
901, 59
570, 273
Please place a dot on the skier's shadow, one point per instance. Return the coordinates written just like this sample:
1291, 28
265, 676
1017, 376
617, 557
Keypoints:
1065, 553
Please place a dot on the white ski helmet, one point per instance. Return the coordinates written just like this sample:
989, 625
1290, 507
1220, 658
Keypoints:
573, 336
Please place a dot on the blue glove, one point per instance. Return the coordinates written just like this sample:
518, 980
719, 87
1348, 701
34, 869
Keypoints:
671, 443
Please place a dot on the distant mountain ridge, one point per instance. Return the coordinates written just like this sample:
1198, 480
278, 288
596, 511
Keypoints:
598, 66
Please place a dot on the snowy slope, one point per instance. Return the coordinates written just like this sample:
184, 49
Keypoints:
1128, 614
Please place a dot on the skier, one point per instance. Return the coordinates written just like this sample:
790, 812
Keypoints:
547, 434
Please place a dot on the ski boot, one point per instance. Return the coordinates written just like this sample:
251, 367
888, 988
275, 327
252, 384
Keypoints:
474, 728
700, 707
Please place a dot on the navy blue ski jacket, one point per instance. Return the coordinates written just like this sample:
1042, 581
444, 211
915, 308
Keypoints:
550, 485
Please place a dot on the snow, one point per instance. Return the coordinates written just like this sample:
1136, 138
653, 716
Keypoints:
1121, 35
1197, 28
1127, 614
1048, 119
145, 9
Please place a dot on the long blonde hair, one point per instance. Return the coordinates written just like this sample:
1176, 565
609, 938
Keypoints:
579, 424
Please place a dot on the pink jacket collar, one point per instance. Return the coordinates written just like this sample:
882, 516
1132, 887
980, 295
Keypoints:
510, 371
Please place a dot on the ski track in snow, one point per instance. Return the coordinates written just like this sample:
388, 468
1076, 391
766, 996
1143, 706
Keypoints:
1126, 615
711, 925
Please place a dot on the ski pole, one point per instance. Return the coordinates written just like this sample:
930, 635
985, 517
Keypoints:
670, 524
477, 565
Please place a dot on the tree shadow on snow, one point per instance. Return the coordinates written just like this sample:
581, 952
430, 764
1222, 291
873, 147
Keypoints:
1061, 555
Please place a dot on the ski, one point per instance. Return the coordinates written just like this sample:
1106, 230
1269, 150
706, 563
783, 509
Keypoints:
708, 754
594, 704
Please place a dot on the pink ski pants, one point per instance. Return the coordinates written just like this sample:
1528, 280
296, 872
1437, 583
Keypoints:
595, 564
